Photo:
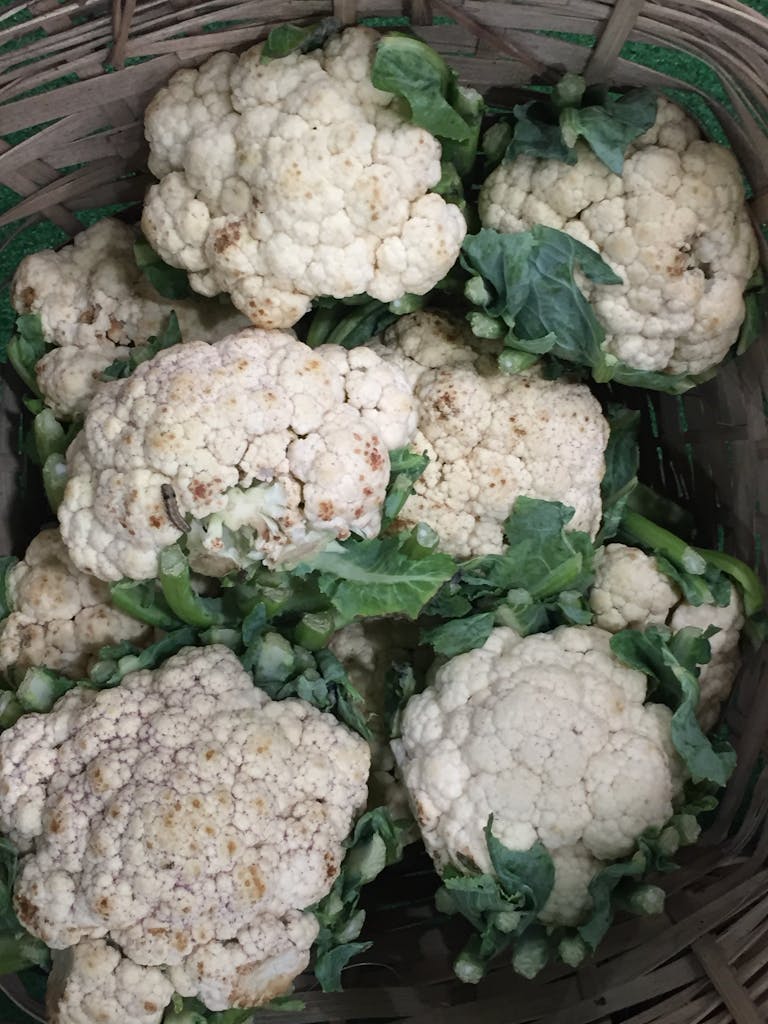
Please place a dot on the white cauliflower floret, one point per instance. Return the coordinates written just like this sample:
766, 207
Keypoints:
367, 650
631, 592
60, 617
549, 734
491, 437
295, 178
95, 305
674, 226
273, 449
186, 818
92, 983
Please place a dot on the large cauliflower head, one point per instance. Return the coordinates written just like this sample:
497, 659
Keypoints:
491, 437
631, 592
186, 818
550, 735
95, 305
295, 178
271, 448
60, 617
674, 226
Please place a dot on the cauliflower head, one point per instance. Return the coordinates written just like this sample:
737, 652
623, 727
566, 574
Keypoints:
631, 592
272, 448
550, 735
95, 305
60, 617
491, 437
296, 178
186, 818
674, 226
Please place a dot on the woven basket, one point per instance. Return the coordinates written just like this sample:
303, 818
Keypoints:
706, 958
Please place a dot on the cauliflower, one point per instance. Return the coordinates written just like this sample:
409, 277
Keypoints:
293, 179
60, 617
95, 304
271, 448
550, 735
186, 819
367, 650
91, 983
674, 226
492, 437
630, 592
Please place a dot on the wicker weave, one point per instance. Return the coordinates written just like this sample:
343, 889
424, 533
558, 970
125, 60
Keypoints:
706, 958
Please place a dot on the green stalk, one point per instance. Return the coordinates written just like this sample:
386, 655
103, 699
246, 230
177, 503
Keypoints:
647, 534
177, 590
7, 562
315, 630
55, 479
40, 689
10, 709
752, 592
141, 600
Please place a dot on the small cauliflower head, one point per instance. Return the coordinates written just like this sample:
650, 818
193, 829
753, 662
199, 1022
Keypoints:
92, 983
185, 818
631, 592
550, 735
674, 226
60, 617
295, 178
271, 448
95, 305
367, 650
491, 437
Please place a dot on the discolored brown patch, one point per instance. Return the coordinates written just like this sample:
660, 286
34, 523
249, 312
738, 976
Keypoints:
27, 296
228, 236
151, 1007
87, 316
155, 521
326, 511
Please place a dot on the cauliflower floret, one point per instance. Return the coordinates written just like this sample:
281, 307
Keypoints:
631, 592
491, 437
549, 734
60, 617
92, 983
95, 305
186, 818
273, 449
295, 178
674, 226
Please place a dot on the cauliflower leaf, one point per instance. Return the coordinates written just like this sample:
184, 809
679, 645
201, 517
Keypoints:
285, 39
673, 660
170, 335
170, 282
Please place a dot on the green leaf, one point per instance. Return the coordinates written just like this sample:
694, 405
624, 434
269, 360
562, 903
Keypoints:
673, 661
608, 124
55, 476
170, 282
329, 965
470, 106
405, 468
459, 635
169, 336
26, 348
379, 577
549, 129
143, 600
622, 458
530, 279
7, 562
414, 71
287, 39
530, 872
